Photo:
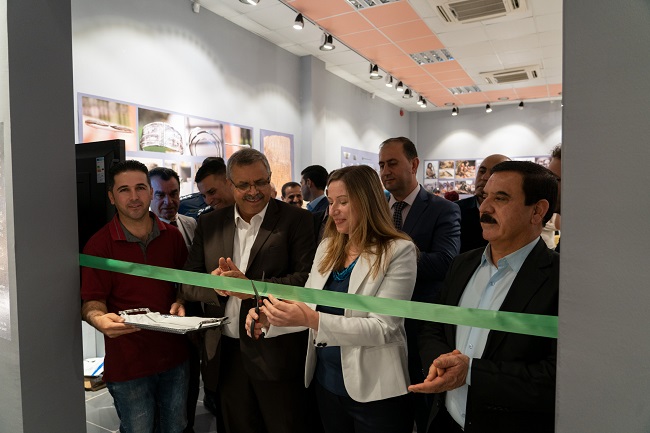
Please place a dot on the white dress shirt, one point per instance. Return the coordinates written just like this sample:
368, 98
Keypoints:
245, 234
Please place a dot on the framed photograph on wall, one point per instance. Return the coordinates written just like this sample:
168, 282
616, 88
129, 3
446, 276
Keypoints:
278, 148
447, 169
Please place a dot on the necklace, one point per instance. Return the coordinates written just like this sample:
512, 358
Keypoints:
344, 273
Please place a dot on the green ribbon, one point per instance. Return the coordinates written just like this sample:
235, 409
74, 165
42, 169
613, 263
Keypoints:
520, 323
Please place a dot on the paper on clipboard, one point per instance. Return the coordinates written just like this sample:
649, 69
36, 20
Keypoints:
145, 319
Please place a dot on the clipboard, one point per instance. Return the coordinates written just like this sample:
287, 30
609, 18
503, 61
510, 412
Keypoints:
145, 319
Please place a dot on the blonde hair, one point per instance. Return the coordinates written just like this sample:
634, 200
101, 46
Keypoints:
375, 231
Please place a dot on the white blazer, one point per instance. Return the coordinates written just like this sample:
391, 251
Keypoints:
373, 346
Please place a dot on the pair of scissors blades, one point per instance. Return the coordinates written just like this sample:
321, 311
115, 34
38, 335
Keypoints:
258, 302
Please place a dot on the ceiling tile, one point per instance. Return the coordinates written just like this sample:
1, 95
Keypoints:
457, 74
456, 82
404, 31
379, 52
472, 98
493, 96
395, 62
345, 57
544, 7
435, 68
317, 10
555, 89
421, 44
423, 8
521, 58
463, 37
547, 23
365, 39
481, 64
345, 24
389, 14
510, 29
550, 38
524, 43
274, 17
473, 50
532, 92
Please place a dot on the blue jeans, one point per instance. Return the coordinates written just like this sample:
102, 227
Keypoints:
153, 403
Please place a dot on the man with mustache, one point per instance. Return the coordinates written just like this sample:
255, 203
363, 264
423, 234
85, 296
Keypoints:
471, 234
146, 371
291, 193
493, 381
254, 238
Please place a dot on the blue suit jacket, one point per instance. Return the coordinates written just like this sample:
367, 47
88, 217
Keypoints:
434, 225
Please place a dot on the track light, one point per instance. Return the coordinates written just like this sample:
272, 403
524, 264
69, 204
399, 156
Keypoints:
196, 7
424, 103
299, 23
420, 100
454, 111
374, 72
488, 109
400, 87
521, 105
328, 42
407, 94
250, 2
389, 81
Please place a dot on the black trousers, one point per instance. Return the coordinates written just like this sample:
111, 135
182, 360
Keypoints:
344, 415
257, 406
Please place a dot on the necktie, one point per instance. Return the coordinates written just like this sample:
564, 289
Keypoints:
397, 213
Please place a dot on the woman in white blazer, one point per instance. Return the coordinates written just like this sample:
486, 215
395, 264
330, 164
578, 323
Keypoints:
358, 359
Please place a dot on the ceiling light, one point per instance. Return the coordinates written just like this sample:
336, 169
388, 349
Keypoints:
327, 42
250, 2
420, 100
407, 94
400, 87
424, 103
299, 23
389, 81
374, 72
488, 109
521, 105
454, 111
196, 7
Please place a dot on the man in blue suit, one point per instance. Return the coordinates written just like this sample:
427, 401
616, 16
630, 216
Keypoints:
434, 225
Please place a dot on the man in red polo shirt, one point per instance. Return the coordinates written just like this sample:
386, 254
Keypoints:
146, 372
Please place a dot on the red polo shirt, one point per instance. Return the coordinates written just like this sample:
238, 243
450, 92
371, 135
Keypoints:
141, 353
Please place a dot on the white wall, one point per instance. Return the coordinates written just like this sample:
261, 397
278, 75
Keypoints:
535, 130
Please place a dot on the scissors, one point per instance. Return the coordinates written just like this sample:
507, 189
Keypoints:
258, 302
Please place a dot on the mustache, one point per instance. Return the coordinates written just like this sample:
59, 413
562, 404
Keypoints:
485, 218
257, 196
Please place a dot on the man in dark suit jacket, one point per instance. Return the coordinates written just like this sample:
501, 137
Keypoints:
434, 225
471, 233
493, 381
259, 380
312, 185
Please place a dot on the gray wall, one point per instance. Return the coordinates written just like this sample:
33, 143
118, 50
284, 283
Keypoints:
40, 367
603, 378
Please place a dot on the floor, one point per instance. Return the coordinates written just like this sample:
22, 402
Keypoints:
102, 418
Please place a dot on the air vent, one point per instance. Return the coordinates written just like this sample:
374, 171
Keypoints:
362, 4
467, 11
511, 75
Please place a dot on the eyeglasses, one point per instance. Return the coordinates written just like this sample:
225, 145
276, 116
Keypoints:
258, 184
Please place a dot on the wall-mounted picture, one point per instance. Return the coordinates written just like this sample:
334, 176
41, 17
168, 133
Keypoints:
430, 170
278, 148
466, 169
446, 170
159, 137
350, 156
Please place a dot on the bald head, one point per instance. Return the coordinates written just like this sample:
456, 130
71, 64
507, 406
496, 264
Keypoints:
484, 171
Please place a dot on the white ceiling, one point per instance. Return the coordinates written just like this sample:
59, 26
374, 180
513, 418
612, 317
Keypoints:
531, 37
